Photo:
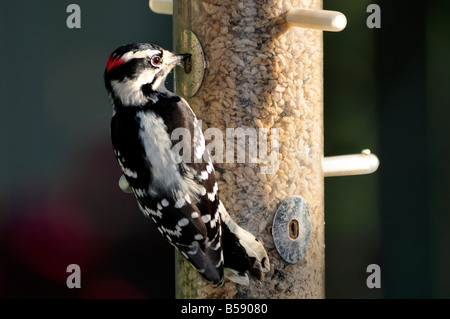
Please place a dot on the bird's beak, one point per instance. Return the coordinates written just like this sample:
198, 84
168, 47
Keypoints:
176, 59
184, 57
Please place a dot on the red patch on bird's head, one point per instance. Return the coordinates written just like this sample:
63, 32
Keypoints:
113, 62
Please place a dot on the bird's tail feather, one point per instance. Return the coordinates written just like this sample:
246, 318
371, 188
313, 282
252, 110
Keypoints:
243, 253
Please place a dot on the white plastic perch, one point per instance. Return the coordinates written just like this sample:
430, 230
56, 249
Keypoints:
324, 20
124, 186
161, 6
355, 164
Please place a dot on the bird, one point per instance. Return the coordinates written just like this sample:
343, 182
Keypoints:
180, 196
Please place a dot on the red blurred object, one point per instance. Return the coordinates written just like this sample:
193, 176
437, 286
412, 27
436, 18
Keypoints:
48, 238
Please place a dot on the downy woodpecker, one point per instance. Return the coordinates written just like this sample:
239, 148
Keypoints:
180, 196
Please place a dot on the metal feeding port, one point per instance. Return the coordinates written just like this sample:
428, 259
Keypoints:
291, 229
188, 81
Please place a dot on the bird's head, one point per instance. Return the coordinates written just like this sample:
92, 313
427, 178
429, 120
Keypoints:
134, 72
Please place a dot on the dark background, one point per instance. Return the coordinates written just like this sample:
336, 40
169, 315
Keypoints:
385, 89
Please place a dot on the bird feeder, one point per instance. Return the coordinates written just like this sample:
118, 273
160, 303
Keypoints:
255, 80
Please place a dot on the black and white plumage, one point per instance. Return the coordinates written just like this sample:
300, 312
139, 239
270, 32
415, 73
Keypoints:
180, 197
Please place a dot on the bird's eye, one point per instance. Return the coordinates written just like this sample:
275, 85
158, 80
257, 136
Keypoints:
156, 60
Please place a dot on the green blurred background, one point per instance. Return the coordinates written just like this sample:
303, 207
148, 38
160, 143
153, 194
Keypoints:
385, 89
